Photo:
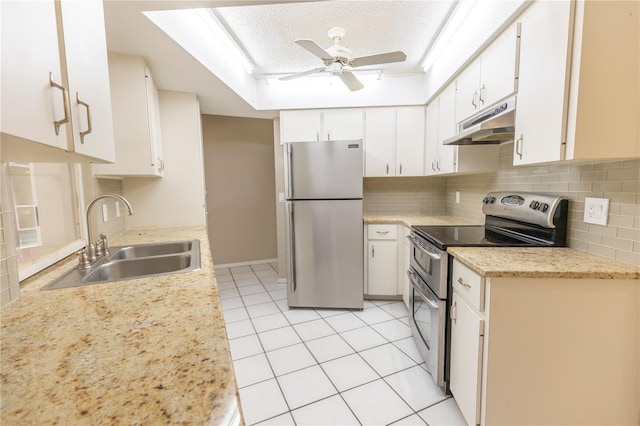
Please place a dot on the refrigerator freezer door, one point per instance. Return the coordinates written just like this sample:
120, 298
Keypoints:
324, 170
325, 255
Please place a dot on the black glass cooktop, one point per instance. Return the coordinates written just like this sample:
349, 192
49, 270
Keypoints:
471, 236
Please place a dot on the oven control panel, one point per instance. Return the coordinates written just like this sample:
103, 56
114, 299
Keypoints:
527, 207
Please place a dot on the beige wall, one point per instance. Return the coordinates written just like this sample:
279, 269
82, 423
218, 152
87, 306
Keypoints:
241, 194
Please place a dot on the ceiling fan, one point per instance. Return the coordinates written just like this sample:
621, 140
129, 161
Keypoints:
338, 61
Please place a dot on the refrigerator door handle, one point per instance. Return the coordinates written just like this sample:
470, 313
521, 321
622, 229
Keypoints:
289, 171
292, 251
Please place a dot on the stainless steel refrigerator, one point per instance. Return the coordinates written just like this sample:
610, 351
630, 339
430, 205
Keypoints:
324, 224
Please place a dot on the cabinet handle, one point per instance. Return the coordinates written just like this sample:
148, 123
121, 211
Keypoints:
400, 168
382, 232
161, 166
373, 251
387, 168
452, 313
433, 165
438, 164
89, 127
482, 90
65, 103
318, 135
473, 99
462, 283
328, 136
519, 146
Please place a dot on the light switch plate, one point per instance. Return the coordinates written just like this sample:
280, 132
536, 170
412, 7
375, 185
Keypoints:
457, 197
105, 216
596, 210
281, 197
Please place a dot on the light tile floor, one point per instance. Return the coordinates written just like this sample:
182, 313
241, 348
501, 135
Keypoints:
323, 366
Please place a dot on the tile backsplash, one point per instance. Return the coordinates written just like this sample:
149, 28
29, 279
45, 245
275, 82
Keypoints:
404, 195
618, 181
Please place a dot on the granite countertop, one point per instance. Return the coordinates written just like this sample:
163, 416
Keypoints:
410, 220
144, 351
538, 262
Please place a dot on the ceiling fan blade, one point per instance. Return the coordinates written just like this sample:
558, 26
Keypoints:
302, 74
351, 81
314, 48
380, 58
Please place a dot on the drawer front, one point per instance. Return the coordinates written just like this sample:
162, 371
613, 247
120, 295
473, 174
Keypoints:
469, 284
382, 232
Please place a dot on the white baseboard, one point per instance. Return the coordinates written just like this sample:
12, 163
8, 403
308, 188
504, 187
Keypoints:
252, 262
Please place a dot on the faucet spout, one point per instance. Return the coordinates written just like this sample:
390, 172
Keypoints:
94, 201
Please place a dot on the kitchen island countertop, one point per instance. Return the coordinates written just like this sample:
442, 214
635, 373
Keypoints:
542, 262
144, 351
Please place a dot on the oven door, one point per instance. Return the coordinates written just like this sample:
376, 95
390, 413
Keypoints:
428, 324
430, 263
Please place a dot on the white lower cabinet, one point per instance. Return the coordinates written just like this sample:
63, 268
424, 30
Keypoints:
467, 329
382, 256
544, 350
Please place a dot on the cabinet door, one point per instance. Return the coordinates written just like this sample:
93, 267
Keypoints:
157, 159
380, 142
446, 128
406, 259
498, 68
29, 53
410, 123
85, 49
540, 120
467, 329
342, 125
297, 126
467, 91
382, 267
431, 138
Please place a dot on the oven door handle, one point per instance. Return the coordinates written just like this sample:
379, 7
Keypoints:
412, 277
432, 255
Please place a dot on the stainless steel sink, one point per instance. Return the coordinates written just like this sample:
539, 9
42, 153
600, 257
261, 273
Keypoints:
155, 249
135, 261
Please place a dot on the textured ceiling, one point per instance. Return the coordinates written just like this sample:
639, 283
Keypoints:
267, 32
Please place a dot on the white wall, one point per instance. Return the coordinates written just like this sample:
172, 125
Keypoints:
178, 198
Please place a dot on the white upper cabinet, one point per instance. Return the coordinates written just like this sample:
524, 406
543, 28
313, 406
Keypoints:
446, 159
394, 141
136, 120
54, 53
85, 48
490, 77
578, 82
380, 142
321, 125
410, 122
342, 124
30, 105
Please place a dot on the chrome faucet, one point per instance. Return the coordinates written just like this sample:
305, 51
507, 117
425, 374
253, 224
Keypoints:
91, 249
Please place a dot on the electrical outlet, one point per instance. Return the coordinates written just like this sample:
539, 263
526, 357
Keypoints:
457, 197
596, 210
105, 216
117, 208
281, 197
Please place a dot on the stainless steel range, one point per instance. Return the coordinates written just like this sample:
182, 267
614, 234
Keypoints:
513, 219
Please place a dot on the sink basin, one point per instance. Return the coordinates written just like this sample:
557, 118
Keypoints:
154, 249
135, 261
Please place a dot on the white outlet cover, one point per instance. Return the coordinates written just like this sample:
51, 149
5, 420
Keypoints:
457, 197
117, 208
596, 210
105, 216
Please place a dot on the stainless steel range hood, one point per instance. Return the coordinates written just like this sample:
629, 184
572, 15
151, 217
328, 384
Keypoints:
492, 126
